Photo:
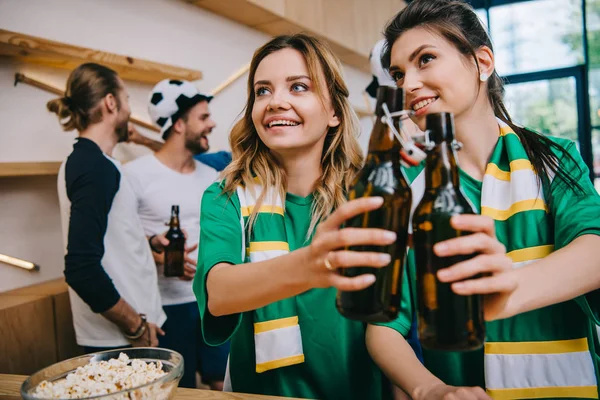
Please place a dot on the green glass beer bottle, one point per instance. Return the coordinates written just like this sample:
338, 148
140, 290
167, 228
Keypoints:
380, 176
447, 321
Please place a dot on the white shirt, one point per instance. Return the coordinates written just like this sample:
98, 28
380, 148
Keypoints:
157, 188
128, 262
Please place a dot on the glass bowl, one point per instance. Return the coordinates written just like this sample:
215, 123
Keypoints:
162, 388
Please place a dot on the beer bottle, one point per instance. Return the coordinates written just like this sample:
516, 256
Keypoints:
174, 252
380, 176
447, 321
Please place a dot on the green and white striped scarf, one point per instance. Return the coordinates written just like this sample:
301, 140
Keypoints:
526, 356
543, 353
277, 335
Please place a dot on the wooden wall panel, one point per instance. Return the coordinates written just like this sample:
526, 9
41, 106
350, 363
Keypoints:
27, 334
242, 11
351, 27
48, 310
339, 23
66, 343
307, 13
275, 6
365, 16
279, 27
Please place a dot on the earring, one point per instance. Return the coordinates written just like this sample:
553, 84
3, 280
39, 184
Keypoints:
483, 77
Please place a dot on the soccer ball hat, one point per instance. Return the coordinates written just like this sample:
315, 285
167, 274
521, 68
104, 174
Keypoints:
170, 99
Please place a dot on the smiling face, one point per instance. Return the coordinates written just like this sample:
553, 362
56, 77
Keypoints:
288, 113
198, 125
435, 75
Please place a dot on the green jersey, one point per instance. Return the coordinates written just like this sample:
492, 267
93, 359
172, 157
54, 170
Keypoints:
546, 353
335, 362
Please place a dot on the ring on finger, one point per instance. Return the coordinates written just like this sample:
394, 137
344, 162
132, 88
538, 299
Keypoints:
328, 264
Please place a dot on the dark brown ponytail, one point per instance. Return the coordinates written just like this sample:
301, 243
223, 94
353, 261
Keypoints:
87, 85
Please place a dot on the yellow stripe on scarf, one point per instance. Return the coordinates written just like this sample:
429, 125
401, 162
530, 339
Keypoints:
246, 211
525, 205
517, 165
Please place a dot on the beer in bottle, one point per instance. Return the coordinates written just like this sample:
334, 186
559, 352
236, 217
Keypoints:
380, 176
447, 321
174, 252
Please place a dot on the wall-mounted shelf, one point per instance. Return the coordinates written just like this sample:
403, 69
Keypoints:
8, 169
37, 50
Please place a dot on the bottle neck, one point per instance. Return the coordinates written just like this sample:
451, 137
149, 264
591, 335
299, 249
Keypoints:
174, 222
382, 139
441, 167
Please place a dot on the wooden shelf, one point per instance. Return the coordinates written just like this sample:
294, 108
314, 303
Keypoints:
8, 169
37, 50
274, 19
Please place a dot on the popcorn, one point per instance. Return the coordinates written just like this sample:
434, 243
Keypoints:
106, 377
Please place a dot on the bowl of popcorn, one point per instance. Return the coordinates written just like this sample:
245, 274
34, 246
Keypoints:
132, 373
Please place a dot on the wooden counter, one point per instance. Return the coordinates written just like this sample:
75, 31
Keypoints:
10, 386
37, 326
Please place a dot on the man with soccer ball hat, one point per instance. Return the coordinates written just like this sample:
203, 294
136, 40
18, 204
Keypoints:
174, 101
171, 176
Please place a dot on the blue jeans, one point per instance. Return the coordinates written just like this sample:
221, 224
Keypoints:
182, 334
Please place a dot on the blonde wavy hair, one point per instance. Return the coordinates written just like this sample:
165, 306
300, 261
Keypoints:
342, 157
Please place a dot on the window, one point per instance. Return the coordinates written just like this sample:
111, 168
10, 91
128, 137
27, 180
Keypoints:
547, 106
482, 14
594, 83
539, 48
537, 35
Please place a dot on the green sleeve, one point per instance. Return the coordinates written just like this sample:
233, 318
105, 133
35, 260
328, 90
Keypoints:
220, 242
403, 323
576, 213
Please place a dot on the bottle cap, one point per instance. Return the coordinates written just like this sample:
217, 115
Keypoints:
440, 127
392, 96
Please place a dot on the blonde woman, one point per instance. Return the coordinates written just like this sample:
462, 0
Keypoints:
271, 238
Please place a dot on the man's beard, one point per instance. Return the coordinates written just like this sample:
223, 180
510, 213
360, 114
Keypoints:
122, 131
195, 145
